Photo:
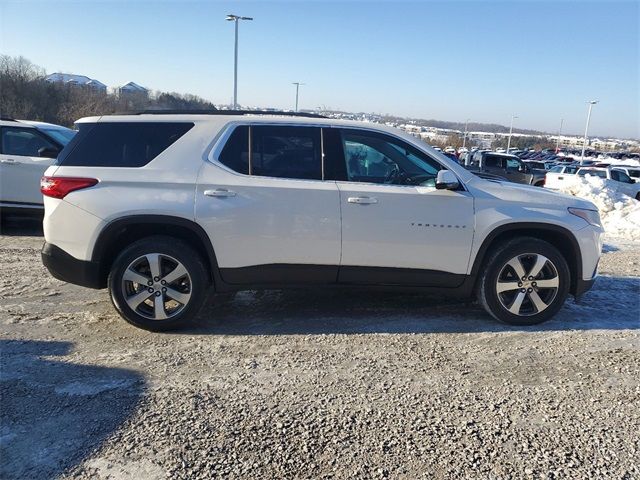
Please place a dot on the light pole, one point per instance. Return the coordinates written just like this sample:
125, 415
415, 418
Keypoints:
510, 132
559, 132
464, 137
586, 129
297, 84
236, 19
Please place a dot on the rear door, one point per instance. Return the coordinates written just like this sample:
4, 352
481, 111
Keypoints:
21, 167
396, 227
262, 200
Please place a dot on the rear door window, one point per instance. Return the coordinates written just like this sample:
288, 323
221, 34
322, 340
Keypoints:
493, 161
235, 154
122, 144
286, 152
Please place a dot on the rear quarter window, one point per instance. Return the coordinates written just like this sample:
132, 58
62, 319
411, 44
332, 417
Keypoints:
132, 144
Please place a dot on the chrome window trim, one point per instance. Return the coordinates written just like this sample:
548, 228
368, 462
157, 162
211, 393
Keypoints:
227, 130
400, 139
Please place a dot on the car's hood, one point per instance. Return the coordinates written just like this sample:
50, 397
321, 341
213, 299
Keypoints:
527, 194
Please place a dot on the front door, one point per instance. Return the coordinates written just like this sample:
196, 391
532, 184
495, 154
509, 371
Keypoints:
270, 216
397, 228
21, 167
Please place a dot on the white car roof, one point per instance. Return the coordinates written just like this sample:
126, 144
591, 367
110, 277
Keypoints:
30, 123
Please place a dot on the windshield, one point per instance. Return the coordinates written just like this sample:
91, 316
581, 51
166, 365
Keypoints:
60, 135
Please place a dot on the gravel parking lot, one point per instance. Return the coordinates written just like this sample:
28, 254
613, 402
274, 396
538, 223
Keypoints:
328, 384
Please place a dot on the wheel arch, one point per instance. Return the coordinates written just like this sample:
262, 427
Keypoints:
116, 235
558, 236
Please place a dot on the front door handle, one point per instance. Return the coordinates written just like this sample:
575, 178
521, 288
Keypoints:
9, 161
362, 200
560, 178
220, 193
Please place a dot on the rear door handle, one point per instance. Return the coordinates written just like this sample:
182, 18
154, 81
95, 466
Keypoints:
220, 193
362, 200
9, 161
560, 178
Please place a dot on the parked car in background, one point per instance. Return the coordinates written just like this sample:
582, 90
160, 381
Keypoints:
614, 178
540, 165
560, 175
224, 203
27, 149
633, 172
507, 166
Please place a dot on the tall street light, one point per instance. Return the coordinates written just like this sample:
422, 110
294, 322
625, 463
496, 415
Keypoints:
586, 129
236, 19
510, 132
559, 133
297, 84
464, 137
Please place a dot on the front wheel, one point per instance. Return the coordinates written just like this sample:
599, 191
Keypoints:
525, 282
158, 283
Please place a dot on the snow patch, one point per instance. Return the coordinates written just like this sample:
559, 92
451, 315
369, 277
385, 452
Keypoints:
620, 213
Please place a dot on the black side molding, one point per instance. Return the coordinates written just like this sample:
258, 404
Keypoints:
399, 276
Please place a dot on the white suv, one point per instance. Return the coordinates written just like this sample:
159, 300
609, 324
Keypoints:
161, 208
27, 149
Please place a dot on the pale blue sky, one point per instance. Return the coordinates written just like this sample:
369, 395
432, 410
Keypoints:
452, 60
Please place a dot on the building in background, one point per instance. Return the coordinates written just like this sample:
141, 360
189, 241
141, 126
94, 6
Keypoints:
133, 90
74, 80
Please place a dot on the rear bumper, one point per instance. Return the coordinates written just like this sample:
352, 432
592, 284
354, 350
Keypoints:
69, 269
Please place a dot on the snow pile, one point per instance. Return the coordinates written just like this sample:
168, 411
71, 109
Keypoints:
620, 213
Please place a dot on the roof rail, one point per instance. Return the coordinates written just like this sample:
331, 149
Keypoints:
223, 112
7, 119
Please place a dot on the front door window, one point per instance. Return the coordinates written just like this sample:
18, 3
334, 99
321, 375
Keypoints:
377, 158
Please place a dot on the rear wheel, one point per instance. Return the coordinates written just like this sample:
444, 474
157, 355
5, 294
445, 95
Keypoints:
158, 283
525, 282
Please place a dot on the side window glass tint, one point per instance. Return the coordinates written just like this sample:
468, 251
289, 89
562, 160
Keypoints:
491, 161
512, 164
286, 152
23, 142
377, 158
235, 153
112, 144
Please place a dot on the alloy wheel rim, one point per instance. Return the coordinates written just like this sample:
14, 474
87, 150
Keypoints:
527, 284
156, 286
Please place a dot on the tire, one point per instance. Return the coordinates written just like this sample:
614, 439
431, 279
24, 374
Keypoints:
524, 302
183, 293
638, 196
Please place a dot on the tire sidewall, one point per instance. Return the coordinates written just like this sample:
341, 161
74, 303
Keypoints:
489, 281
173, 248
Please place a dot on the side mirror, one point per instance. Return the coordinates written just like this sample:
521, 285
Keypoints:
48, 152
446, 180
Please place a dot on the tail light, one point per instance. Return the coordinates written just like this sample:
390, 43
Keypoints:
60, 187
